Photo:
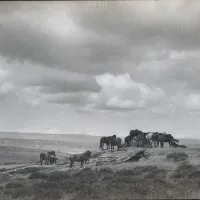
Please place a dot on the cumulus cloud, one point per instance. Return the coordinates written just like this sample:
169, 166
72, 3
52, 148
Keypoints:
193, 102
121, 92
3, 73
188, 103
6, 87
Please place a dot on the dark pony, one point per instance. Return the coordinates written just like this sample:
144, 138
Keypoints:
83, 157
49, 154
44, 157
115, 142
127, 140
105, 140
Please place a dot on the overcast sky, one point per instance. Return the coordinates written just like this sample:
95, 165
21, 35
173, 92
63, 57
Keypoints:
100, 67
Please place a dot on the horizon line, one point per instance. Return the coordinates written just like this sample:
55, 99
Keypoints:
19, 132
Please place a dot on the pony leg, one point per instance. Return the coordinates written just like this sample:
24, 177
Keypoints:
151, 142
82, 163
156, 143
161, 144
71, 163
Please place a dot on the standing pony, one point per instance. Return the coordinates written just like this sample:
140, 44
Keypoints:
115, 142
44, 157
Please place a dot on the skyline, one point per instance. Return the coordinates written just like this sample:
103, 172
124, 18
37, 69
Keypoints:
100, 67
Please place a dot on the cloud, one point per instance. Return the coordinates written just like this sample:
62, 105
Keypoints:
189, 103
77, 38
78, 98
6, 87
3, 73
117, 92
101, 63
193, 102
121, 92
29, 96
69, 83
53, 131
20, 40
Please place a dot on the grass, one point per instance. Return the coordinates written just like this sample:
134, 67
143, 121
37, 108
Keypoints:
177, 156
13, 185
38, 175
187, 171
142, 180
28, 170
137, 182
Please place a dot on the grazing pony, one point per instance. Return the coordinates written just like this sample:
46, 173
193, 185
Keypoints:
44, 157
175, 145
50, 153
150, 137
134, 133
127, 140
52, 160
164, 137
141, 140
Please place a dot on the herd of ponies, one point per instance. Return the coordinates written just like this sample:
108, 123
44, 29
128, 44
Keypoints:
141, 139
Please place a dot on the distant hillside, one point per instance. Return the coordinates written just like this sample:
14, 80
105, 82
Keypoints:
70, 140
189, 140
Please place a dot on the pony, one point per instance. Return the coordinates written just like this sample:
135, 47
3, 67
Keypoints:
115, 142
50, 153
134, 133
105, 140
141, 140
127, 140
43, 156
52, 160
83, 157
175, 145
150, 137
164, 137
88, 156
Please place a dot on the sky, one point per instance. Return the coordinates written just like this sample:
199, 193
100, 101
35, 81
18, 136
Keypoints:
100, 67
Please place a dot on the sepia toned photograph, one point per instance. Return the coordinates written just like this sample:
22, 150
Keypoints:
100, 100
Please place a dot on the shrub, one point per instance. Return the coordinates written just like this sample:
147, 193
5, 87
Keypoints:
50, 194
175, 156
18, 192
28, 170
184, 170
13, 185
46, 185
106, 170
38, 175
58, 176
